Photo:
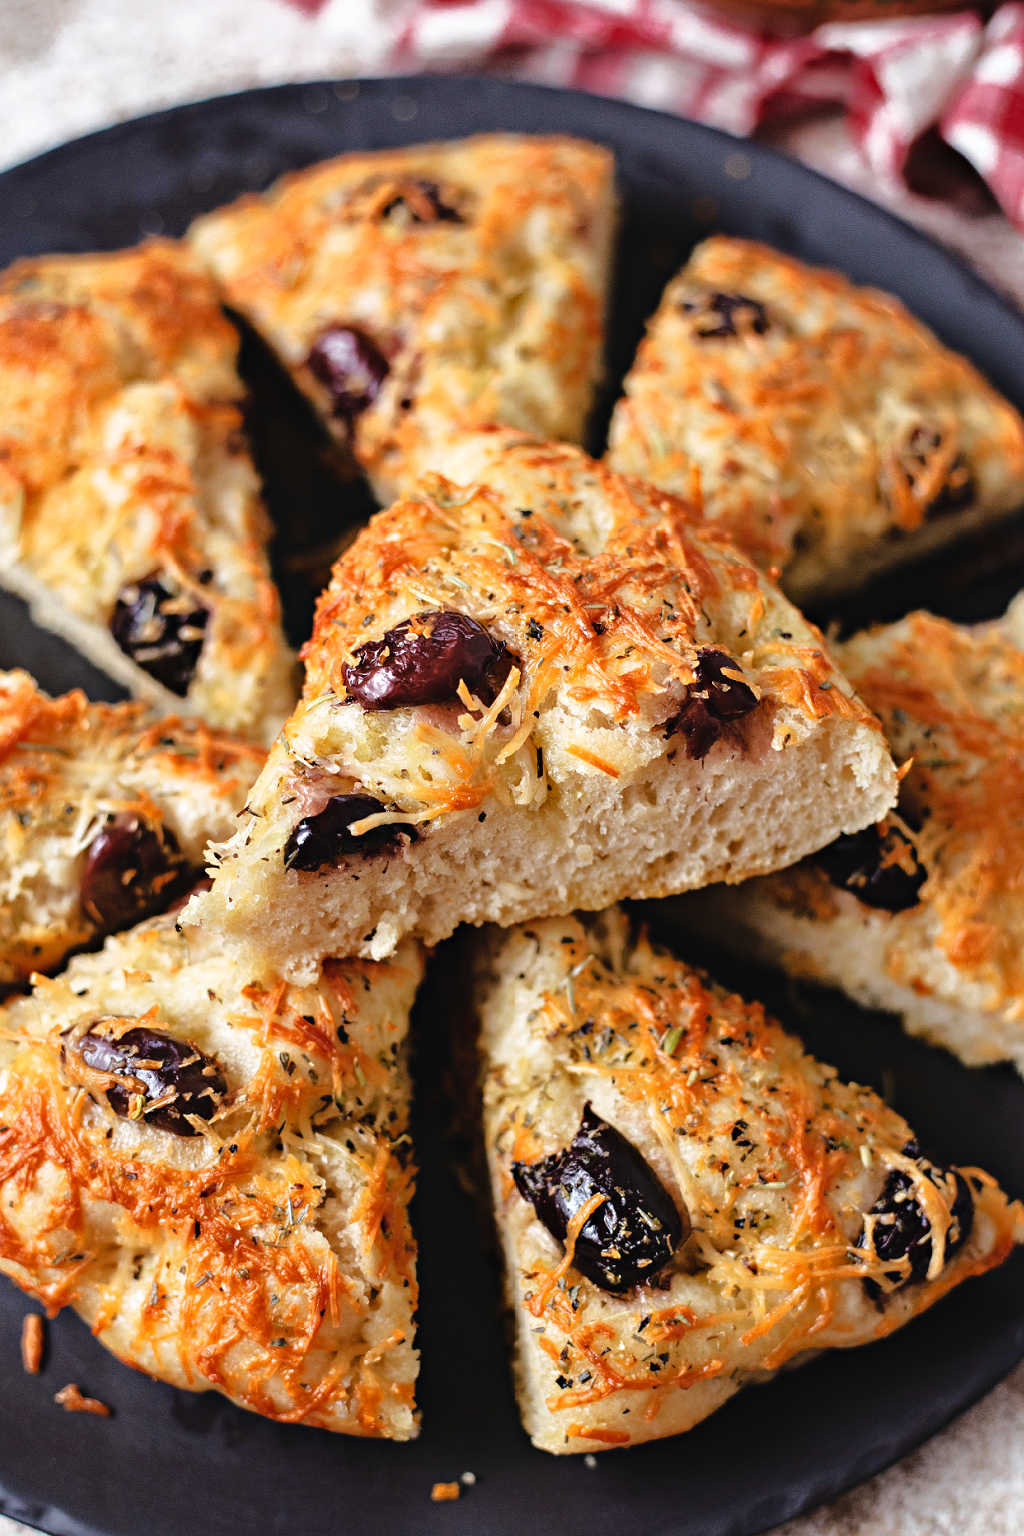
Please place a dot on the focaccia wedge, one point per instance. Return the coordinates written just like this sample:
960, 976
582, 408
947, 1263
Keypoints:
130, 511
105, 814
409, 289
833, 434
687, 1201
535, 686
215, 1174
922, 915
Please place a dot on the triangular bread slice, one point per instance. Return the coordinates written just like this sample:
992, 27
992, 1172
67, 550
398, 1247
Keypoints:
531, 687
105, 814
216, 1175
409, 289
130, 512
923, 915
687, 1201
833, 434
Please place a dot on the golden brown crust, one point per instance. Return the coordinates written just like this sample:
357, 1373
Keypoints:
67, 769
622, 581
477, 269
832, 432
608, 598
122, 455
268, 1257
147, 311
951, 701
945, 953
777, 1162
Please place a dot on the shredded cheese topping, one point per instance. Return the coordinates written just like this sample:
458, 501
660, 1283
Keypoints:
762, 1144
66, 766
495, 314
269, 1256
826, 423
602, 591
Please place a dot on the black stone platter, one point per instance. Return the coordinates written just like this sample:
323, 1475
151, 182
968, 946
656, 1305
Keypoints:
171, 1464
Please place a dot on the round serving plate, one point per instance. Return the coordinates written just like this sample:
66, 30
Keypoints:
172, 1464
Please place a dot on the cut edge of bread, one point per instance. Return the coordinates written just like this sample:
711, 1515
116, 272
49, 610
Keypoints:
677, 825
512, 971
850, 951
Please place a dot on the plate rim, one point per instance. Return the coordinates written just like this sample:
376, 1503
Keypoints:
412, 82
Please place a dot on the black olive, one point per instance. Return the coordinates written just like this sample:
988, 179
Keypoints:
161, 628
959, 489
170, 1074
637, 1227
422, 202
715, 697
325, 838
881, 869
901, 1229
351, 366
423, 660
726, 314
132, 869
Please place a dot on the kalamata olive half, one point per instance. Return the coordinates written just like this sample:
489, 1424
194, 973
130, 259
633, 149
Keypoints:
350, 366
131, 870
880, 868
148, 1068
636, 1228
321, 840
423, 660
900, 1229
727, 314
959, 488
422, 202
161, 629
716, 696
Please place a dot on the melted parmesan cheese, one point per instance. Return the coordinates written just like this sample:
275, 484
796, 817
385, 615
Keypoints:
775, 1159
269, 1257
826, 433
122, 454
493, 315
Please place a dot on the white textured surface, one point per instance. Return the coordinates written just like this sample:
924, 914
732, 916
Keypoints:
70, 65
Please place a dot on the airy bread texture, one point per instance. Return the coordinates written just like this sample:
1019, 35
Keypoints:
951, 700
575, 784
833, 434
68, 768
122, 457
474, 274
269, 1255
776, 1163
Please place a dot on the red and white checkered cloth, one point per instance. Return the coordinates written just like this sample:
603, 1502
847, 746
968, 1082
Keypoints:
911, 88
905, 84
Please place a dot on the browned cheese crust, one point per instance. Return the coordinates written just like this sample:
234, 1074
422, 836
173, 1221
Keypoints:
788, 1182
105, 813
409, 289
591, 769
122, 457
951, 702
946, 951
259, 1247
832, 433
